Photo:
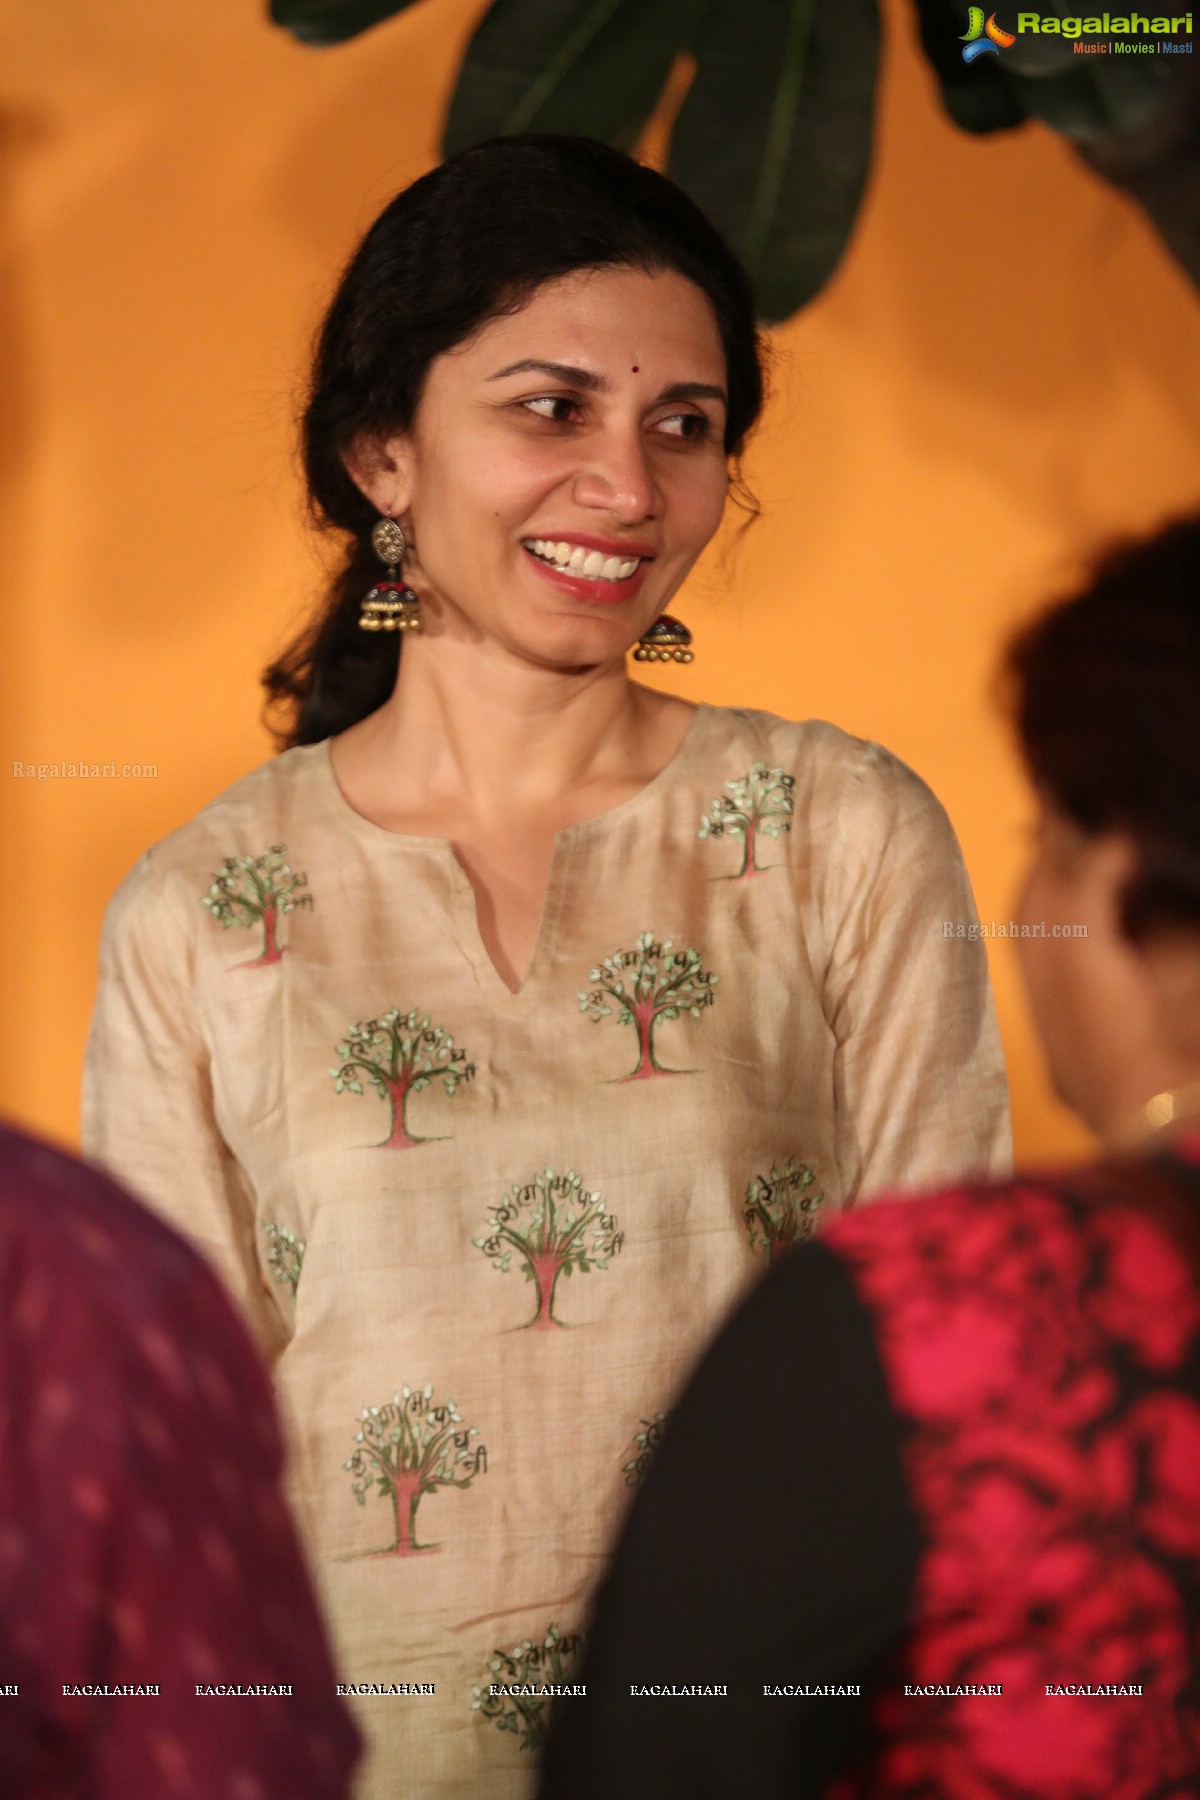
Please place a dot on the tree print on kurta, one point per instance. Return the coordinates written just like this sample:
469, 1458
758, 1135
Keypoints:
285, 1257
645, 986
528, 1668
758, 804
254, 891
551, 1225
407, 1449
400, 1054
780, 1208
645, 1443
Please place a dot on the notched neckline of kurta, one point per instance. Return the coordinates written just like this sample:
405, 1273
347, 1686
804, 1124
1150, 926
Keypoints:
567, 841
601, 821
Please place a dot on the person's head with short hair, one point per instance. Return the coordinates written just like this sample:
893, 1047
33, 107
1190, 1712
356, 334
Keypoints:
1105, 694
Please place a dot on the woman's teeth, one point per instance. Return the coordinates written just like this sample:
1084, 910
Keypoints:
573, 559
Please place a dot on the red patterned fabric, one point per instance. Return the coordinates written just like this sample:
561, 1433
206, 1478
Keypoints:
143, 1540
1042, 1345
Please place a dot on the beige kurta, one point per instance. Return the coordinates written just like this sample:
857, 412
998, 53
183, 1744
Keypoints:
483, 1234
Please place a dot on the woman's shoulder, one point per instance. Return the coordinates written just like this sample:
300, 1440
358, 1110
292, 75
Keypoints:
827, 763
251, 823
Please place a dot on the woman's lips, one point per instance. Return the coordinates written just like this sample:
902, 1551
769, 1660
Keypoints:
601, 593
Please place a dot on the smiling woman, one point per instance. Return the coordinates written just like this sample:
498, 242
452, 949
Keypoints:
528, 399
617, 469
465, 285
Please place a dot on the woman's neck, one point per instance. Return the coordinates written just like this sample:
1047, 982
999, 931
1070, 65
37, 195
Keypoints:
472, 733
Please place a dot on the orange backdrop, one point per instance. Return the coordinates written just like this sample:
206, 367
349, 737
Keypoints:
1004, 371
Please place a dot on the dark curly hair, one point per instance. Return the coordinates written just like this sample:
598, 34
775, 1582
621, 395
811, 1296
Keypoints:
467, 242
1105, 693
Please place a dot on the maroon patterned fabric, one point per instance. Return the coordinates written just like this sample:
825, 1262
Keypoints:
143, 1540
1042, 1345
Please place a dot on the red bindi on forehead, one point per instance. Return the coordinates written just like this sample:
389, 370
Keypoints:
634, 369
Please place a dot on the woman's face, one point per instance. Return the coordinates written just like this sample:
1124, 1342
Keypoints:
565, 467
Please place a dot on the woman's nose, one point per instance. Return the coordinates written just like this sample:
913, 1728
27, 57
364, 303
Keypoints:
617, 478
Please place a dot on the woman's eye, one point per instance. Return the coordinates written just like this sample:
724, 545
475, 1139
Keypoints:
560, 409
550, 406
685, 425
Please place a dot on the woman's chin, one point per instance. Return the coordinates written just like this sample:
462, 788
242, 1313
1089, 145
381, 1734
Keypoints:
572, 645
560, 637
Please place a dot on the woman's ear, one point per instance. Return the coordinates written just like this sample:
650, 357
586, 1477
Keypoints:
379, 468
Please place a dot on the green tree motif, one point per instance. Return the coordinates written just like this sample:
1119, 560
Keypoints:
643, 987
285, 1258
553, 1225
760, 802
645, 1443
407, 1449
527, 1665
779, 1208
257, 890
400, 1053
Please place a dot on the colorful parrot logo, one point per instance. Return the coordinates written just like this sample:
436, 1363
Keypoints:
980, 38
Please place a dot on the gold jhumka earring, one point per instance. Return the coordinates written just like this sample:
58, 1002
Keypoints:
668, 640
391, 605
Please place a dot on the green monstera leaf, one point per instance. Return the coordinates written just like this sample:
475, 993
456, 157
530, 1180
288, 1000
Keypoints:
774, 137
774, 134
595, 67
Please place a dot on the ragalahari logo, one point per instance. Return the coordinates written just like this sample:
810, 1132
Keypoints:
982, 37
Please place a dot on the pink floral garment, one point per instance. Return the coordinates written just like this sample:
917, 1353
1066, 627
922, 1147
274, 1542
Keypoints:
482, 1234
1042, 1347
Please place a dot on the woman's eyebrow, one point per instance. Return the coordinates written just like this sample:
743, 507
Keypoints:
532, 365
695, 390
593, 383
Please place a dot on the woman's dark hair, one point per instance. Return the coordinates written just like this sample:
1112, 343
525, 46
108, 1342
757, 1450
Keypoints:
469, 241
1105, 694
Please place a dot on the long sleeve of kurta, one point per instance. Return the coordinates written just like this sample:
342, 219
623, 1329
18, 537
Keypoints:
918, 1074
148, 1113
